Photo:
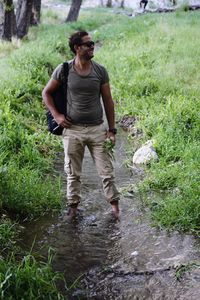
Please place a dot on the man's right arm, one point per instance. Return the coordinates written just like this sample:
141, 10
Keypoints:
47, 92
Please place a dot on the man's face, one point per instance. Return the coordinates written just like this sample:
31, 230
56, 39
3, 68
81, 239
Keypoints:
86, 49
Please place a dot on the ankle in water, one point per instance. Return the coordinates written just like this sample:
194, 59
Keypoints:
115, 208
72, 211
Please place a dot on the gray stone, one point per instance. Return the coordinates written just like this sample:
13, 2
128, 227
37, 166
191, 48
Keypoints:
144, 154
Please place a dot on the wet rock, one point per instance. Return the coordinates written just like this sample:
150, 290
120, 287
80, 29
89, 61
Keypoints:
78, 294
144, 154
134, 253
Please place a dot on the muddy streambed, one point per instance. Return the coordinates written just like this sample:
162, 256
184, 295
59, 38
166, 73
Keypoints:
128, 259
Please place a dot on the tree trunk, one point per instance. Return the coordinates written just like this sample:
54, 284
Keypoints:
74, 11
109, 3
23, 17
174, 2
7, 17
35, 16
122, 4
14, 24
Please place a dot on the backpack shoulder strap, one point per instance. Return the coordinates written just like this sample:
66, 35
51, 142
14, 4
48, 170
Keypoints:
66, 70
65, 82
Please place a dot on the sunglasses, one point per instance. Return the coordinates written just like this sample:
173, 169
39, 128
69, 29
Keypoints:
88, 44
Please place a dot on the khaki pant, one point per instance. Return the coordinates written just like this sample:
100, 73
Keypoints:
75, 139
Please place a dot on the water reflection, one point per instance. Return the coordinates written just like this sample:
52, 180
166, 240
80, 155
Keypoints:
80, 245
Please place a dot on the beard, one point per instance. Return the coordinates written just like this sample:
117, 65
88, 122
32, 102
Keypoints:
88, 56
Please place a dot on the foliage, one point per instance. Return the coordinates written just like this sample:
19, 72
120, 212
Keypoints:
8, 235
27, 193
109, 147
24, 277
28, 280
180, 270
7, 47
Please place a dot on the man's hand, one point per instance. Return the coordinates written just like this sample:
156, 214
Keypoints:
111, 136
109, 145
62, 121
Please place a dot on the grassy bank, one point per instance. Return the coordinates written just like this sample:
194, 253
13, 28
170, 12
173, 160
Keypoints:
21, 275
154, 74
154, 65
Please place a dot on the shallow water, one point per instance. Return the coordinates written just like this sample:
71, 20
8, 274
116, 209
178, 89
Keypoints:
126, 259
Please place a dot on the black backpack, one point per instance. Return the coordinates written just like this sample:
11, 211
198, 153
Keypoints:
60, 102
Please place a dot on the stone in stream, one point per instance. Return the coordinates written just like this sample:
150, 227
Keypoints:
144, 154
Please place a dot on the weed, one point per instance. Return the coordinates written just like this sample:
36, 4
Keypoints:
109, 147
28, 279
185, 268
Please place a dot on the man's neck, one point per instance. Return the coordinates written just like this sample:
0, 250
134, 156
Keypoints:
82, 66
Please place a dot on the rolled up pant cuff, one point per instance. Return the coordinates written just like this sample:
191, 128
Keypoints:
73, 202
74, 205
114, 201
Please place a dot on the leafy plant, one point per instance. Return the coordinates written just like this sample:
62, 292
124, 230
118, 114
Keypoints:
109, 147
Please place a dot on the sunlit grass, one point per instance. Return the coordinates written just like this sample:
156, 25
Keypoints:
7, 47
53, 17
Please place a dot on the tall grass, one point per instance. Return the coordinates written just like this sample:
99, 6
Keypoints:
8, 235
28, 280
21, 276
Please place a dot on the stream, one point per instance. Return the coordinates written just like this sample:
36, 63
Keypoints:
127, 259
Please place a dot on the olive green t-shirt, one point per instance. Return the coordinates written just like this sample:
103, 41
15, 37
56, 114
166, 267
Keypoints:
83, 93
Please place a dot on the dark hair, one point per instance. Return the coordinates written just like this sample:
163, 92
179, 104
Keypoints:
76, 39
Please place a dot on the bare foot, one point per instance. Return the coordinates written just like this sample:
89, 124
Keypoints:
72, 212
115, 209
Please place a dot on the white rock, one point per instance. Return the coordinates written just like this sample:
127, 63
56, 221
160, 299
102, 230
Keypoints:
144, 154
134, 253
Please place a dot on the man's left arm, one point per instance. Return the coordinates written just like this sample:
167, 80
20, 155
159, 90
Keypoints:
109, 110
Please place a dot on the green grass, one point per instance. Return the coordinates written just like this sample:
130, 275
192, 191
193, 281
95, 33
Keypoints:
28, 280
21, 275
8, 235
28, 194
6, 47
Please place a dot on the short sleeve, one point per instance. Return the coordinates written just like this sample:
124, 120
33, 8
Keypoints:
58, 73
105, 76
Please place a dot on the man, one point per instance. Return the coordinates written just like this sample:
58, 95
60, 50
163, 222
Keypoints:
83, 126
145, 2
